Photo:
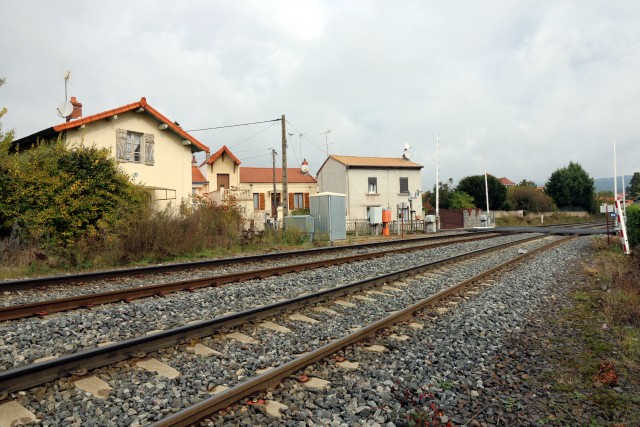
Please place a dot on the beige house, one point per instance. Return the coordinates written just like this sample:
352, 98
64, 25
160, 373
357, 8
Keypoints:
259, 182
251, 188
155, 151
372, 182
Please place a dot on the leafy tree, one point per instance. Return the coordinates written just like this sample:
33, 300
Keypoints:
529, 199
57, 194
445, 191
461, 200
5, 137
633, 189
572, 187
474, 186
527, 183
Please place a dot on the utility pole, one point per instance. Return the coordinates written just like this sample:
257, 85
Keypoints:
438, 181
274, 208
285, 188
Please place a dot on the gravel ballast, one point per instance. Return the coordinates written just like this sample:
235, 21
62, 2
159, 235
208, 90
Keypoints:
25, 340
466, 362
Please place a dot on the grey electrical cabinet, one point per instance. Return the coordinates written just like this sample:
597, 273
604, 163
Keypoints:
304, 223
329, 213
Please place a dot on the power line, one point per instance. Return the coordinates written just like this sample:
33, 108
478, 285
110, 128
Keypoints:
306, 137
232, 126
253, 136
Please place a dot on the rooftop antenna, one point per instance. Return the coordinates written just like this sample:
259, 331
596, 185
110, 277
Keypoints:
326, 139
67, 76
64, 109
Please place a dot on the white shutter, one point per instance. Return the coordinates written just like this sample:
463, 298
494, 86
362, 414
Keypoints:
148, 148
121, 144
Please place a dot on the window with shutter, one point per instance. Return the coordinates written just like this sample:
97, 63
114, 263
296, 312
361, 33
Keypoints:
262, 197
292, 204
306, 200
121, 144
149, 143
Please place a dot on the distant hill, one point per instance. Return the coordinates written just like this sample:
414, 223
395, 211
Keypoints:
606, 184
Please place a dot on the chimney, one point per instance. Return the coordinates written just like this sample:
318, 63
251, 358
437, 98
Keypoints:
193, 160
77, 108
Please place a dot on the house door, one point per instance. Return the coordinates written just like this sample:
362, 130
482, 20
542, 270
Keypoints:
223, 180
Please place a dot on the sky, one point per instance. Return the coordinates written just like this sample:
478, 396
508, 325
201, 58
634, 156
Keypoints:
524, 87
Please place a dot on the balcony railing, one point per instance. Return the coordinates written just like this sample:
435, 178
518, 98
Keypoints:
230, 195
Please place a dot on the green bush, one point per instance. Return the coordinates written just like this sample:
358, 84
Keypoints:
633, 225
55, 194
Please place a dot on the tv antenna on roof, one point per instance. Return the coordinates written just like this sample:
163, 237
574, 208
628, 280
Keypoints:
64, 109
326, 138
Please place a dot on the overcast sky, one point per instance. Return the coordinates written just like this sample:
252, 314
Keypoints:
530, 85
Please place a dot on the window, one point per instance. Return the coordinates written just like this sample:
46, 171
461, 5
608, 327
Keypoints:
373, 185
404, 185
134, 146
298, 201
256, 201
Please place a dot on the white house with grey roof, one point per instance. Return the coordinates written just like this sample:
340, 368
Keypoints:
368, 182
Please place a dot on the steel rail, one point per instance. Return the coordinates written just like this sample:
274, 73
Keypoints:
12, 285
38, 373
273, 377
89, 300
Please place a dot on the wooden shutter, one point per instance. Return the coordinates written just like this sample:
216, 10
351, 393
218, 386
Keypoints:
261, 202
121, 144
306, 200
148, 148
291, 201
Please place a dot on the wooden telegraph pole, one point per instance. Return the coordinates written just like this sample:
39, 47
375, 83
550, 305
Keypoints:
274, 207
285, 189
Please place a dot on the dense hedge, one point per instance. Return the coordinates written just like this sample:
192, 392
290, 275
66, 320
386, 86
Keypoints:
633, 225
54, 193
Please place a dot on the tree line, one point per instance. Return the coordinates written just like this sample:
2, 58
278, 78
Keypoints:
569, 188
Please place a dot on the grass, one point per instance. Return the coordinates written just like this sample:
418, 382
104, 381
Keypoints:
597, 362
553, 219
194, 232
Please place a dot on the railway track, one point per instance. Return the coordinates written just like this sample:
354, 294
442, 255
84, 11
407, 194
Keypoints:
43, 283
44, 307
29, 376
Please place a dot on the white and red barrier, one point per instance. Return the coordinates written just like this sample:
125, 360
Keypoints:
623, 229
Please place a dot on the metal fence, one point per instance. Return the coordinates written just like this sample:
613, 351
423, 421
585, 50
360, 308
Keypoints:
361, 227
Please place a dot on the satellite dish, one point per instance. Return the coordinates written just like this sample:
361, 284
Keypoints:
407, 155
64, 109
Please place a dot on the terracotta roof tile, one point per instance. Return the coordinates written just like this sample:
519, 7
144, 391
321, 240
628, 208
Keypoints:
393, 162
219, 153
506, 181
261, 175
197, 176
130, 107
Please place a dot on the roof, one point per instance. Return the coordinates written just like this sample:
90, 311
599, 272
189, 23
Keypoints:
196, 175
262, 175
373, 162
506, 181
142, 104
219, 153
